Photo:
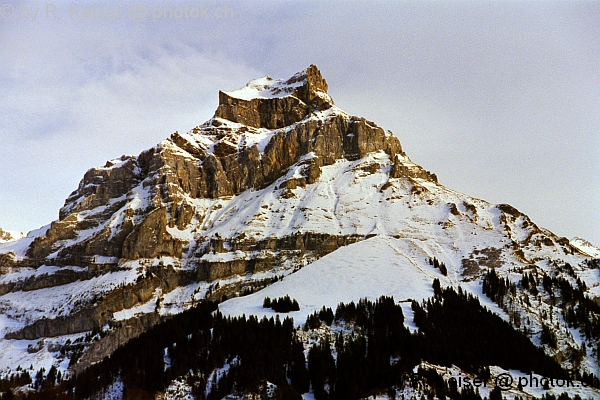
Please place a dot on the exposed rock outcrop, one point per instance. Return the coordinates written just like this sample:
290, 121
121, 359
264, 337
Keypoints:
274, 252
57, 278
402, 169
95, 315
151, 239
122, 332
212, 161
286, 104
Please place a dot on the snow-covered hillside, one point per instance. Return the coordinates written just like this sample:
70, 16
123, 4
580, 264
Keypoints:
369, 269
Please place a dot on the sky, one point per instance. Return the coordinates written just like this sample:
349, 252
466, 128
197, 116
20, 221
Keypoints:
501, 99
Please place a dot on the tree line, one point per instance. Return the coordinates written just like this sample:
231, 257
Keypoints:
219, 355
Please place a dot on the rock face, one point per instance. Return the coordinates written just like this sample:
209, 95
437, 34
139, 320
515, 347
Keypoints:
96, 315
287, 103
277, 179
214, 160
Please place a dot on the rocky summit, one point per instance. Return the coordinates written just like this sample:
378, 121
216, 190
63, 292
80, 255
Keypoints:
279, 179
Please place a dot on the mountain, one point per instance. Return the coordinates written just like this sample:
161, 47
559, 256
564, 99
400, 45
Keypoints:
281, 191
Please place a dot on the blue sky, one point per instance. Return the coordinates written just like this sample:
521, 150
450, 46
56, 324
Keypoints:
500, 99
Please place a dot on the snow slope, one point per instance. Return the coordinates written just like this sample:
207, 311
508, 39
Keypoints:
586, 247
367, 269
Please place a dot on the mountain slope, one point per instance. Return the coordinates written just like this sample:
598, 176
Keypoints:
279, 179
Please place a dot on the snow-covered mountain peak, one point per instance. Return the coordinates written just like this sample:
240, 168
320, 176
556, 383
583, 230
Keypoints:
268, 88
265, 88
274, 103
